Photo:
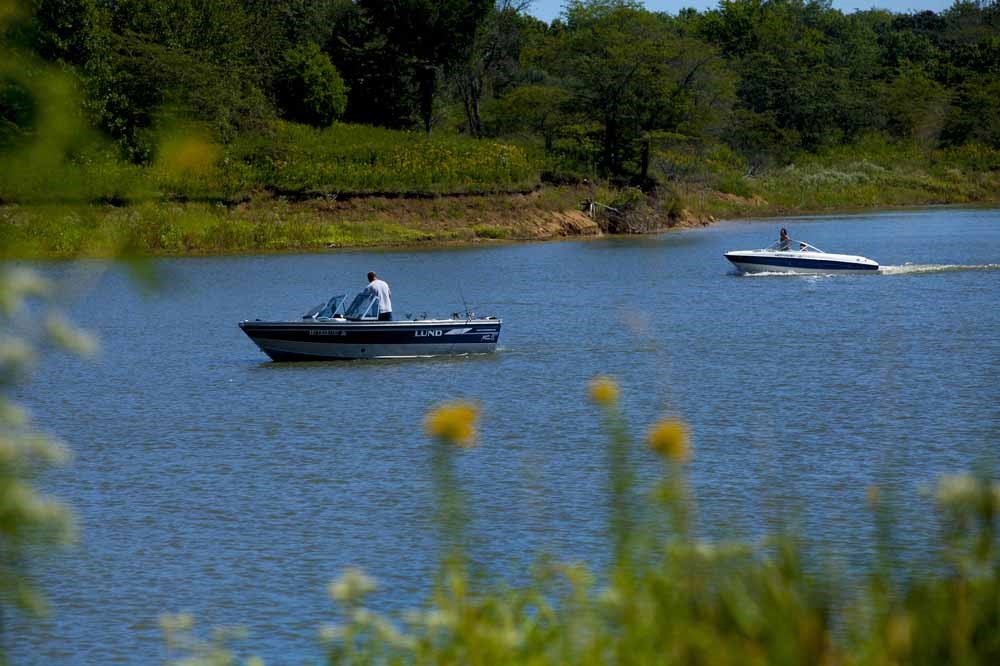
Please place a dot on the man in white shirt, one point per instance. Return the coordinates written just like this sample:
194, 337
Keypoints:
379, 288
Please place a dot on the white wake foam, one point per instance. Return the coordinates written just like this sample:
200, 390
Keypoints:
905, 269
911, 269
779, 274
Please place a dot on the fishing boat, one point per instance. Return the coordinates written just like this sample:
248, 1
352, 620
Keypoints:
792, 256
334, 330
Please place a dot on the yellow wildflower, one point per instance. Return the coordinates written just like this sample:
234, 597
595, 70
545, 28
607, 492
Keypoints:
874, 496
669, 438
899, 633
453, 422
604, 391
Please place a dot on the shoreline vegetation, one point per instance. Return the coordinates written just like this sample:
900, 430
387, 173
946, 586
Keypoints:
350, 186
155, 127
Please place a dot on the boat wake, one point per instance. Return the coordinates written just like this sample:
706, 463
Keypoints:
905, 269
762, 274
914, 269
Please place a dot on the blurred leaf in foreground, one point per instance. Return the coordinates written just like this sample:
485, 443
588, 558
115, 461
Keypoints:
30, 521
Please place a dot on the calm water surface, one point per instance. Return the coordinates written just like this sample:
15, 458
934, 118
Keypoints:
210, 480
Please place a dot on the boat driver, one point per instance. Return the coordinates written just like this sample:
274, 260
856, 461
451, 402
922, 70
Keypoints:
380, 288
783, 239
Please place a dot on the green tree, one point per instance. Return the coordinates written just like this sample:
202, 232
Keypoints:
630, 71
760, 139
915, 105
377, 72
975, 113
536, 109
492, 56
733, 26
309, 88
431, 35
807, 66
149, 62
151, 86
70, 32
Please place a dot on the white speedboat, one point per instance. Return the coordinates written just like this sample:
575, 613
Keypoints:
333, 330
792, 256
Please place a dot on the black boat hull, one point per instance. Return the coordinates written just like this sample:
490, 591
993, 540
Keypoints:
325, 340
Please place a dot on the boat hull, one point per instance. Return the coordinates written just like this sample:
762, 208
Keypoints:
797, 262
321, 340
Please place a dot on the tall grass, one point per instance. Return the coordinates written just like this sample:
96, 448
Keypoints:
669, 597
285, 158
363, 159
169, 228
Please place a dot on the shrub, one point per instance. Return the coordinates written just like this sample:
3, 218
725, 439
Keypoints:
489, 231
309, 88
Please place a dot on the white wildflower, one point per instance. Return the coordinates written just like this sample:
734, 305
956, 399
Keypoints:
353, 584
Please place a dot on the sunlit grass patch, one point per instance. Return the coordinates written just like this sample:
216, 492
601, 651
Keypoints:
165, 228
490, 231
363, 159
372, 233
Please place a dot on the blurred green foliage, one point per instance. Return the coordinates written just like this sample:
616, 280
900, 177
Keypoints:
43, 129
31, 523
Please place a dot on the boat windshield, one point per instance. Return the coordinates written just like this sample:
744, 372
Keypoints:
364, 306
334, 308
792, 245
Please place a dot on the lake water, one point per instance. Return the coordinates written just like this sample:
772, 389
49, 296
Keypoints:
210, 480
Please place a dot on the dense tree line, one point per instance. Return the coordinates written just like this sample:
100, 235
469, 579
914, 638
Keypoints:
601, 89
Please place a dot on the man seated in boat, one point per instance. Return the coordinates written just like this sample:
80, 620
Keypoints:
783, 239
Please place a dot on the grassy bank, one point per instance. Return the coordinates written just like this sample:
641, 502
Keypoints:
274, 224
294, 188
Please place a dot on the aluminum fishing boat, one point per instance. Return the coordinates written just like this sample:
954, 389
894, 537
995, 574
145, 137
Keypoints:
333, 330
792, 256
